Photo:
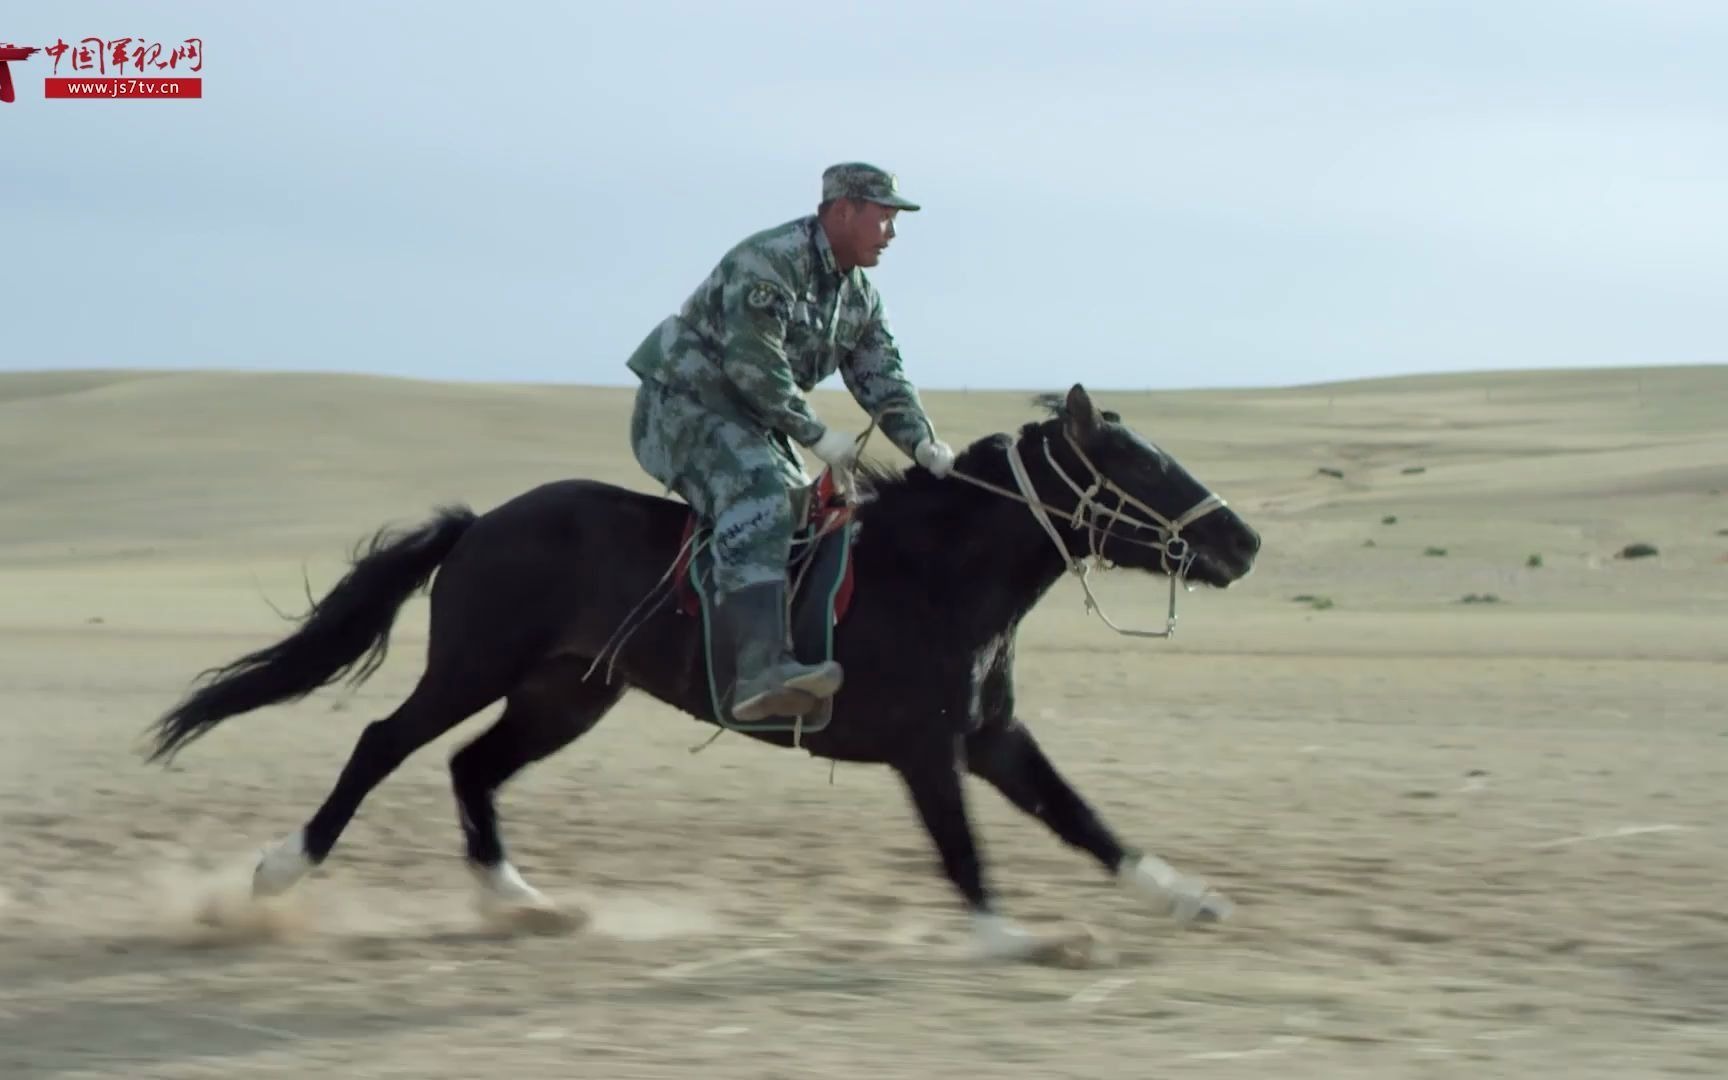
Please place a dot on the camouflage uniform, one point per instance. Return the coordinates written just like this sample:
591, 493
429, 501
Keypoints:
723, 383
722, 403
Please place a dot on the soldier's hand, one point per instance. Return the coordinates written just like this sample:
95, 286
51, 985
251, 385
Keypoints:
838, 449
935, 455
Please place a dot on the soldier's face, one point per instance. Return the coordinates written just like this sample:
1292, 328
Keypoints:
866, 230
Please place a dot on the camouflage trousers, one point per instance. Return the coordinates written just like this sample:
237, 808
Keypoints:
747, 482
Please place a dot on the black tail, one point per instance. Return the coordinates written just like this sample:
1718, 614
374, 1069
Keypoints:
350, 626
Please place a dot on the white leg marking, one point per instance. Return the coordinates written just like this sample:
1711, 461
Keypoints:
1001, 938
504, 895
502, 884
281, 865
1186, 898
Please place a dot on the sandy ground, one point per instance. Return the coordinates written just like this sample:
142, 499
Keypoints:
1465, 839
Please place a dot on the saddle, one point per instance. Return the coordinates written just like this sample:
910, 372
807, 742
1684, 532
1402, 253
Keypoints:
820, 586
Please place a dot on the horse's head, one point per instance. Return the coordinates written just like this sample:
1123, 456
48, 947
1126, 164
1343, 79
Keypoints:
1134, 504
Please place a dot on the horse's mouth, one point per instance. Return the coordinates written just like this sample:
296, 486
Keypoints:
1210, 569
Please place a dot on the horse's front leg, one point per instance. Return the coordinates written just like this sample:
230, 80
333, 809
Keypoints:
1008, 758
934, 784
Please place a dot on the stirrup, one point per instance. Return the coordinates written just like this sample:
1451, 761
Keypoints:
775, 701
795, 696
819, 680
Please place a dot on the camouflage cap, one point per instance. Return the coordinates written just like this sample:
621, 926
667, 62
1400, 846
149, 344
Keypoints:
856, 180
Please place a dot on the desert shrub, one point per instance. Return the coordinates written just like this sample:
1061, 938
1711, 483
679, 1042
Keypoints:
1638, 551
1435, 552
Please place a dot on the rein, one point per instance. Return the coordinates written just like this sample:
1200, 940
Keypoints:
1175, 554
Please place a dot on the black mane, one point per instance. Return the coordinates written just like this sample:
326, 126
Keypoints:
955, 545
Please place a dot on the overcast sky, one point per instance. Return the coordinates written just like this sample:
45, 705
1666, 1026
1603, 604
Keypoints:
1150, 194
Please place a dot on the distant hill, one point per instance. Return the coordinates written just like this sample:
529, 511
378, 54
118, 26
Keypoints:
197, 461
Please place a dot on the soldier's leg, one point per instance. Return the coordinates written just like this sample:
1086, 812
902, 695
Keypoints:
752, 483
746, 485
680, 443
659, 432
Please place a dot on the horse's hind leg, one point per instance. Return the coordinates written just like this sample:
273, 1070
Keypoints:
437, 704
543, 714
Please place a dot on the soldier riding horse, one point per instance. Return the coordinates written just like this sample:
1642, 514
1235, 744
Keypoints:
555, 601
529, 596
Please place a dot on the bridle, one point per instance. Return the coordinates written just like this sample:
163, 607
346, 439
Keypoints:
1176, 555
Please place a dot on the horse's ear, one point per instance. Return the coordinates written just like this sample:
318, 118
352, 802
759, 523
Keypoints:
1082, 418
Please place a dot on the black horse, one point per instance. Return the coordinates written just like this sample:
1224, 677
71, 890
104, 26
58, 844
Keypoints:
529, 595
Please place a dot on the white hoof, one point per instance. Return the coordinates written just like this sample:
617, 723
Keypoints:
281, 865
1185, 899
999, 938
506, 898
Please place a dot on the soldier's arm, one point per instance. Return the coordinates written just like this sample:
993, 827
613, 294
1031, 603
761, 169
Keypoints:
754, 358
875, 374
